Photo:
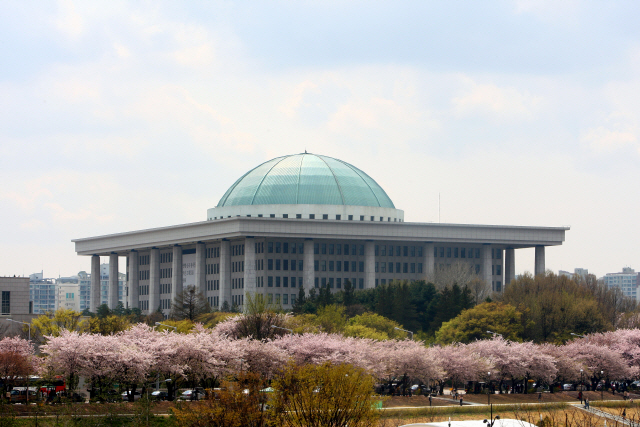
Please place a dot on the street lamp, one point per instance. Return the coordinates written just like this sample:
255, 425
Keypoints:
404, 330
581, 384
284, 329
175, 328
489, 389
602, 386
578, 335
24, 323
494, 334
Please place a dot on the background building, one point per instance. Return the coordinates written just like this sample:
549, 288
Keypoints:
14, 304
42, 293
68, 293
302, 221
627, 281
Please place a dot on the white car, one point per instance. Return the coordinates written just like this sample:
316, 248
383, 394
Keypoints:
192, 395
125, 396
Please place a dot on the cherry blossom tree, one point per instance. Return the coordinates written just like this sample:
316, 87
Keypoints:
462, 363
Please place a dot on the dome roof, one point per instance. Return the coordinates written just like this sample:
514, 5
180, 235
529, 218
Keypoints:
308, 179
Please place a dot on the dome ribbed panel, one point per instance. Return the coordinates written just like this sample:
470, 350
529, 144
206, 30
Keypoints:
317, 183
243, 191
354, 189
279, 186
306, 179
382, 197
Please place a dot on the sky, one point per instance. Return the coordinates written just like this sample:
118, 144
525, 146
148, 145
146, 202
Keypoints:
119, 116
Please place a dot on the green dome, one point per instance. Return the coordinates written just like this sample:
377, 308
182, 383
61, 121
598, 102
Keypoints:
307, 179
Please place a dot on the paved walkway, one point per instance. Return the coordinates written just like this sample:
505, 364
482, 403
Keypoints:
607, 415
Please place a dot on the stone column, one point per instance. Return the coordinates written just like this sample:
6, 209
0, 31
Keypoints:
309, 258
113, 281
369, 265
154, 280
539, 265
429, 270
225, 272
94, 301
201, 272
176, 273
134, 275
249, 267
486, 266
509, 265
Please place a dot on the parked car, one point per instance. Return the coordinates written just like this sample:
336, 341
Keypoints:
159, 395
125, 395
196, 394
19, 394
567, 387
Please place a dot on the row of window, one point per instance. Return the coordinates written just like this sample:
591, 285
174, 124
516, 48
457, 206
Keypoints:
165, 304
213, 269
237, 283
143, 290
213, 301
143, 260
237, 266
165, 288
143, 275
212, 253
213, 285
329, 282
387, 250
6, 302
143, 305
166, 273
237, 299
337, 249
407, 267
456, 252
284, 247
237, 250
285, 299
321, 265
284, 264
167, 257
259, 247
283, 281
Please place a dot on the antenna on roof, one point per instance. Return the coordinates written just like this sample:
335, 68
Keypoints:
305, 151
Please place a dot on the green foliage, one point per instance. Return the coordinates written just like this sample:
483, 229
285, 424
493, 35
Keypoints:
374, 326
331, 318
108, 325
554, 306
324, 396
473, 324
53, 323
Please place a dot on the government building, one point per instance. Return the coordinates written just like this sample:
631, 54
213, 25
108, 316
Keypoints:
303, 220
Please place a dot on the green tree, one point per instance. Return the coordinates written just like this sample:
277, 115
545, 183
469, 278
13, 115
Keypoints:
331, 318
53, 323
374, 326
472, 324
189, 304
447, 305
108, 325
324, 396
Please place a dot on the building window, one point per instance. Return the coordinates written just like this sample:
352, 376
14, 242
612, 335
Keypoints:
6, 302
298, 216
312, 216
338, 217
285, 299
361, 284
285, 215
331, 249
324, 249
316, 248
270, 281
325, 216
285, 247
350, 217
361, 266
317, 280
277, 281
316, 265
339, 283
272, 215
413, 267
270, 247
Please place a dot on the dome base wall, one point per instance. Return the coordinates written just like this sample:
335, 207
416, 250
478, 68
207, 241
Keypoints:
330, 212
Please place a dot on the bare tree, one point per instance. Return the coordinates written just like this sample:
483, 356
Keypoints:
460, 273
189, 304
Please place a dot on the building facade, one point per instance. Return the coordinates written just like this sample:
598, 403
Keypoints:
627, 281
303, 221
42, 293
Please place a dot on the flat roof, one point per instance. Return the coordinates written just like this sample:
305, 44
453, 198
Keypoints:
293, 228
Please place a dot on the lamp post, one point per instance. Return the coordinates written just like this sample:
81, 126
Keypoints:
581, 384
602, 387
175, 328
404, 330
489, 389
24, 323
284, 329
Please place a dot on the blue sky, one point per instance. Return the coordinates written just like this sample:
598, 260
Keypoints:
118, 116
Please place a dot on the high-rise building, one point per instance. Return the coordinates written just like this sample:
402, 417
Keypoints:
42, 293
627, 281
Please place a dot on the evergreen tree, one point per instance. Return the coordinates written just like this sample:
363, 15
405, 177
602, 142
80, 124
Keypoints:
348, 298
189, 304
103, 311
300, 301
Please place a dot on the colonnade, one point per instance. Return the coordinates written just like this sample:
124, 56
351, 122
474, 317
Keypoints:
225, 291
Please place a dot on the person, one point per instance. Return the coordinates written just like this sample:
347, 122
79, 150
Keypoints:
429, 399
461, 400
586, 403
624, 413
539, 396
580, 396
